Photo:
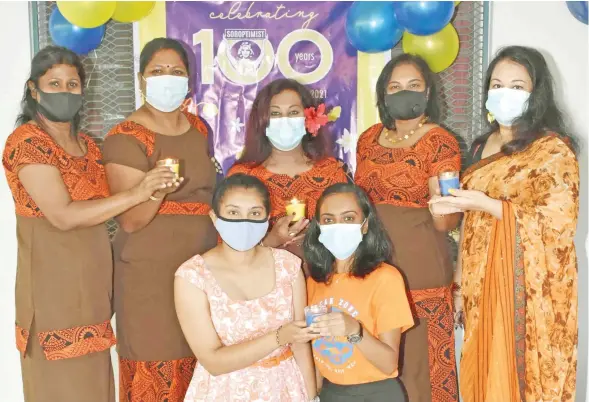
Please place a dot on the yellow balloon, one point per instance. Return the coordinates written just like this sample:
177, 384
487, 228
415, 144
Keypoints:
131, 11
87, 14
438, 50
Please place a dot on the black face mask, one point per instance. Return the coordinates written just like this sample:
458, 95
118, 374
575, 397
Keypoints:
59, 106
406, 105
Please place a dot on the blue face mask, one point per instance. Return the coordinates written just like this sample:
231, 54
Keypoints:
286, 133
341, 239
241, 235
507, 104
166, 93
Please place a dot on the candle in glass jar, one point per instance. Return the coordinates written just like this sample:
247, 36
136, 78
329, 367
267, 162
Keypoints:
448, 181
315, 310
173, 163
296, 209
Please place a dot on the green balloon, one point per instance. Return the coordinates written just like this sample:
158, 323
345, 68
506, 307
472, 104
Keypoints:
438, 50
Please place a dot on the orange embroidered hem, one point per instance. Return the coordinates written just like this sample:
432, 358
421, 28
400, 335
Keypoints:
436, 306
22, 338
156, 381
183, 208
77, 341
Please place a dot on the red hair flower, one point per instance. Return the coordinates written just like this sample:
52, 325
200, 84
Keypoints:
315, 118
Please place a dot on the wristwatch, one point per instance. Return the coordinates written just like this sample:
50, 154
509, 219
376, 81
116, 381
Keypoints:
356, 338
316, 399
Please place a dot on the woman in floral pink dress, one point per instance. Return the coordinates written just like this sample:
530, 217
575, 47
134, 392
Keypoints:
241, 307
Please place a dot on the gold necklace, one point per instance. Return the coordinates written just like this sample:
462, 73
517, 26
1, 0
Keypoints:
395, 140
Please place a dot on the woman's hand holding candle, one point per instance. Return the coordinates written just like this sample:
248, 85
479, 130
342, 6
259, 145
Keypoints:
283, 233
174, 165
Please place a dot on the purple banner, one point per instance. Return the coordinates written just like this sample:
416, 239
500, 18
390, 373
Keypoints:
241, 46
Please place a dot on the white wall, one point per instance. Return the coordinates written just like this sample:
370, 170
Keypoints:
550, 27
14, 69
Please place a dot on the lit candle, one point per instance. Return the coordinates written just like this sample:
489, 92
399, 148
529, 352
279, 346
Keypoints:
296, 209
172, 163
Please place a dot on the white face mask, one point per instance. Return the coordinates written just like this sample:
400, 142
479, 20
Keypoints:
166, 93
286, 133
341, 239
507, 104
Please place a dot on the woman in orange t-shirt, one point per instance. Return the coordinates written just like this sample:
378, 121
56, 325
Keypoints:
347, 250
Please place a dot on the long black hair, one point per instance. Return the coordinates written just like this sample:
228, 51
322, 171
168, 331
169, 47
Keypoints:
157, 44
243, 181
374, 249
43, 61
542, 114
432, 110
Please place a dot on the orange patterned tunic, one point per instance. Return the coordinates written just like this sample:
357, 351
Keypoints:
396, 180
70, 271
306, 187
399, 176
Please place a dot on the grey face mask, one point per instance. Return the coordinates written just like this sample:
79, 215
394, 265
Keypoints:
59, 106
406, 105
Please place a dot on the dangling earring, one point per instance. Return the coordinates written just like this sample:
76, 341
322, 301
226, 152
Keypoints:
490, 118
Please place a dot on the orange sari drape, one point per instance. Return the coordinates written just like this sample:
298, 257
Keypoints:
492, 354
519, 278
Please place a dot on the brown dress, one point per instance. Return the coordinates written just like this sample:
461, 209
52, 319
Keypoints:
156, 363
64, 279
396, 179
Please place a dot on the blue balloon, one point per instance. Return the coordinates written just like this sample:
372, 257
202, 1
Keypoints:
424, 17
371, 26
579, 10
79, 40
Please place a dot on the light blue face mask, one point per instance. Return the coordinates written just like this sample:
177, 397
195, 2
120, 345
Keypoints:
242, 234
286, 133
507, 104
341, 239
166, 93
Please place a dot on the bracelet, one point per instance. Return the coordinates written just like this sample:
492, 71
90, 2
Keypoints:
151, 197
278, 335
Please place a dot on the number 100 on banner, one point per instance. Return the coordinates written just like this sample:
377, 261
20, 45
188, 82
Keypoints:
246, 56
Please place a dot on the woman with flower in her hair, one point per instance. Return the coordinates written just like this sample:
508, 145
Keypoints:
285, 147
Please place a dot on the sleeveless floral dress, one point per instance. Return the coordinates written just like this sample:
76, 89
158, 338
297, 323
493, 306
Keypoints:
244, 320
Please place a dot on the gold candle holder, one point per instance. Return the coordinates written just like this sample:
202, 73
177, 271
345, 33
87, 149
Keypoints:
296, 209
173, 163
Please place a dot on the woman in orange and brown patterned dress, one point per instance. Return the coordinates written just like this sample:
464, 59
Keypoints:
518, 260
64, 276
398, 163
286, 148
155, 238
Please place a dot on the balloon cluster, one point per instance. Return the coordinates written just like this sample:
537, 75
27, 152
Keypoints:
424, 26
80, 25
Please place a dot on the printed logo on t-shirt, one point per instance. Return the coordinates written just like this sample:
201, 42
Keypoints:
335, 352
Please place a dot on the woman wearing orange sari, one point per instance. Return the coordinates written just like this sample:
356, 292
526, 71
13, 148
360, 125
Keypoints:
518, 266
